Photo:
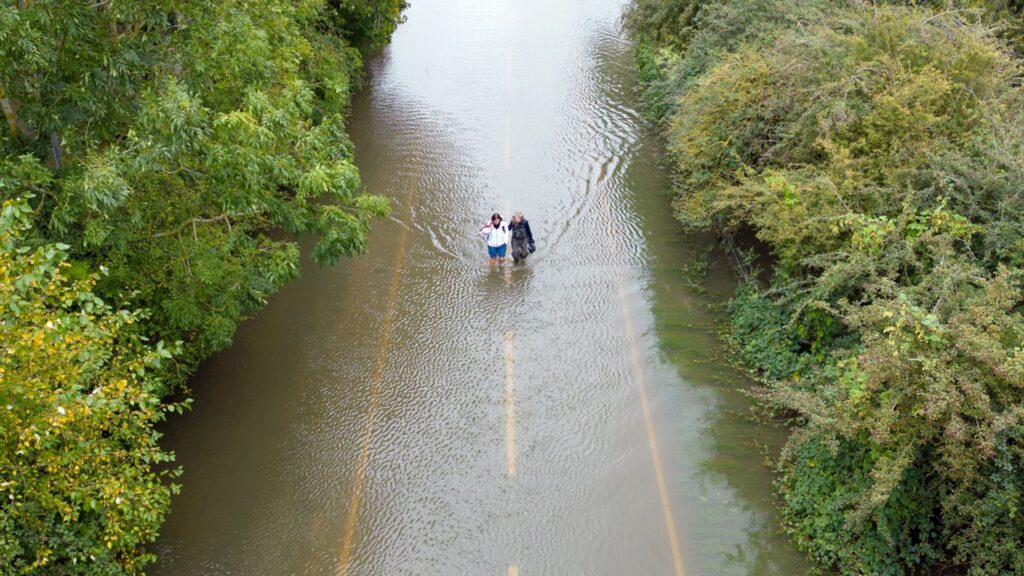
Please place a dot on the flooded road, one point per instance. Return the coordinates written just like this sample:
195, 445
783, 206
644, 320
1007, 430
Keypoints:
416, 411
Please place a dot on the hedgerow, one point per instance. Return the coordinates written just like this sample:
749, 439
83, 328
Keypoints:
876, 150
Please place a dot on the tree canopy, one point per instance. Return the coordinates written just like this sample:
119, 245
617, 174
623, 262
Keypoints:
79, 401
165, 139
158, 162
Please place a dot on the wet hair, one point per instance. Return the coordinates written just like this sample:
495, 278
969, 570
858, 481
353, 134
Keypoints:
496, 215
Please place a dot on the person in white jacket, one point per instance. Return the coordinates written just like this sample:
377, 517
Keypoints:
495, 233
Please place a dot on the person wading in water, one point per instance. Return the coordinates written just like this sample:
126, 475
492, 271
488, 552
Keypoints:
495, 233
522, 237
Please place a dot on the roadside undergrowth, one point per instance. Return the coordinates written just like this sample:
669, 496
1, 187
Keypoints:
877, 150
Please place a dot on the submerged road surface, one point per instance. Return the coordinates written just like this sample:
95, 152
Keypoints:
416, 411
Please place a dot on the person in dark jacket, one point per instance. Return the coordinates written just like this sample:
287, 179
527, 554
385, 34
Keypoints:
522, 237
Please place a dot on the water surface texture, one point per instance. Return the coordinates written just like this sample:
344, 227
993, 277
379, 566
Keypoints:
416, 411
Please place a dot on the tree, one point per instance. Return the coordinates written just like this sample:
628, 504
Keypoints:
180, 135
366, 24
78, 401
160, 156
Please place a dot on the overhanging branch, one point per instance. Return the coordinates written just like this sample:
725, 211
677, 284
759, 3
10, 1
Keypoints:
194, 222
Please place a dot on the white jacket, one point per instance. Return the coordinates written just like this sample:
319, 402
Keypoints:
495, 236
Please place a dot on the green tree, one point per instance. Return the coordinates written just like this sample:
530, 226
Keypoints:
165, 156
78, 401
177, 136
367, 24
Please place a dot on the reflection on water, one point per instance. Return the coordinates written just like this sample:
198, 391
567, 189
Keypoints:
731, 480
370, 408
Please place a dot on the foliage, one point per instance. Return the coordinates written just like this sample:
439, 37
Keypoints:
818, 508
79, 401
181, 134
367, 24
878, 154
181, 148
664, 23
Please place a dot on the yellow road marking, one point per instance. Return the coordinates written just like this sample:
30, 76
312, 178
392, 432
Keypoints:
356, 498
513, 571
510, 408
638, 373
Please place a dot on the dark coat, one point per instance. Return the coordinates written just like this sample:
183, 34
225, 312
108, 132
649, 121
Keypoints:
522, 239
524, 224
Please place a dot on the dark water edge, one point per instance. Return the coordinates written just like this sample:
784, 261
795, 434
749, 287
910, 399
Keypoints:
693, 278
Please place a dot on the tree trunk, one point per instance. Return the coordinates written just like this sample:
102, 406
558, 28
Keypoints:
56, 150
12, 119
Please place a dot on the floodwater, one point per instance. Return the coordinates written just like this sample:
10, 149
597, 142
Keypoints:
417, 411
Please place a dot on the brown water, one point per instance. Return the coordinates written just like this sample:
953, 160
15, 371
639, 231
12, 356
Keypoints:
414, 411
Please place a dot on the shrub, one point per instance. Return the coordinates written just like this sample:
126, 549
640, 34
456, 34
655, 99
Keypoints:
877, 151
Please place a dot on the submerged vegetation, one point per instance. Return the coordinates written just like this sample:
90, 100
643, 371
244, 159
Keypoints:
153, 156
877, 150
